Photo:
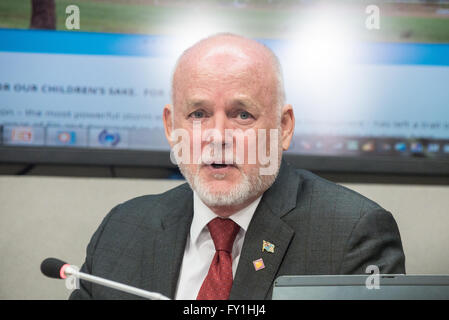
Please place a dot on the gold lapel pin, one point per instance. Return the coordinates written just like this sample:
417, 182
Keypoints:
258, 264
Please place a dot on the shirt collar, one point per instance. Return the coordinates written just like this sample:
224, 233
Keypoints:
202, 215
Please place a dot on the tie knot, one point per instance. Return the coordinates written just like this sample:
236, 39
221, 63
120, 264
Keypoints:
223, 232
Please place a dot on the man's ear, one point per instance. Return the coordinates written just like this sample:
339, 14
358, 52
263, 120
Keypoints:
287, 125
167, 117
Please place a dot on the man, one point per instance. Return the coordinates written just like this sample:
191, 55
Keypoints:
238, 224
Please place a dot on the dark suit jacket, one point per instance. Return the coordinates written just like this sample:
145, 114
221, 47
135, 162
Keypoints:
317, 227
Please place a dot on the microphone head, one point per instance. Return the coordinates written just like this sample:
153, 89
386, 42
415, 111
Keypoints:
51, 267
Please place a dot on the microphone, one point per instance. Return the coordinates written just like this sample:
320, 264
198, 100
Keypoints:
55, 268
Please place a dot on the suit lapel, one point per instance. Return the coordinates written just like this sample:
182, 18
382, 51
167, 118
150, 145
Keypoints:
164, 261
267, 225
252, 284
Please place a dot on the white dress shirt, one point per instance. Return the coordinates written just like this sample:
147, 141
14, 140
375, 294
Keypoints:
200, 248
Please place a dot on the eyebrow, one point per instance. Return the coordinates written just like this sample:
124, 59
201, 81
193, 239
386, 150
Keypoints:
244, 102
195, 103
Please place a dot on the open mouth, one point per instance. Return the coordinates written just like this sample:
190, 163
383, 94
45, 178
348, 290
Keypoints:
218, 165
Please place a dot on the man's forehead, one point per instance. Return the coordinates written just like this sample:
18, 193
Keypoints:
224, 51
227, 57
237, 46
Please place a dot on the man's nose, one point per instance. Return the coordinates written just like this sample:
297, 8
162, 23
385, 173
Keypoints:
220, 124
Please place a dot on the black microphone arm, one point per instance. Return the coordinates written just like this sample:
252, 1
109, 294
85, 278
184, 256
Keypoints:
55, 268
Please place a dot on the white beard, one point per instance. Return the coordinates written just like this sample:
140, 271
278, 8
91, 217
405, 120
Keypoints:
249, 187
252, 184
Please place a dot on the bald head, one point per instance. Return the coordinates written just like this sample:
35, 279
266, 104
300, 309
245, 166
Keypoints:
231, 54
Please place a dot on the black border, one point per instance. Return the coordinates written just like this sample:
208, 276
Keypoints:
280, 309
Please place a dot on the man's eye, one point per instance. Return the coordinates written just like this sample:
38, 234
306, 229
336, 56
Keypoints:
245, 115
197, 114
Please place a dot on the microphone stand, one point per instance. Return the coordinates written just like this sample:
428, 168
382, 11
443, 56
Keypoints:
69, 270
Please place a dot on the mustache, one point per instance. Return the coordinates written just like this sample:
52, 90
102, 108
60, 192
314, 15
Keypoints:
208, 160
220, 154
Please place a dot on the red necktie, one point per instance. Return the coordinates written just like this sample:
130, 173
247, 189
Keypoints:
218, 282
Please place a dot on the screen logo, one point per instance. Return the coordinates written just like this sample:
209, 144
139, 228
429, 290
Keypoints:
416, 147
66, 137
22, 134
368, 146
352, 145
305, 145
400, 146
385, 147
446, 148
110, 139
433, 147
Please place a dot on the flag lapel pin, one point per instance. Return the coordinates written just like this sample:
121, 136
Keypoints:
267, 246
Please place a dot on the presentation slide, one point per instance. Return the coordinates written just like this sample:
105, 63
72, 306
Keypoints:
103, 90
